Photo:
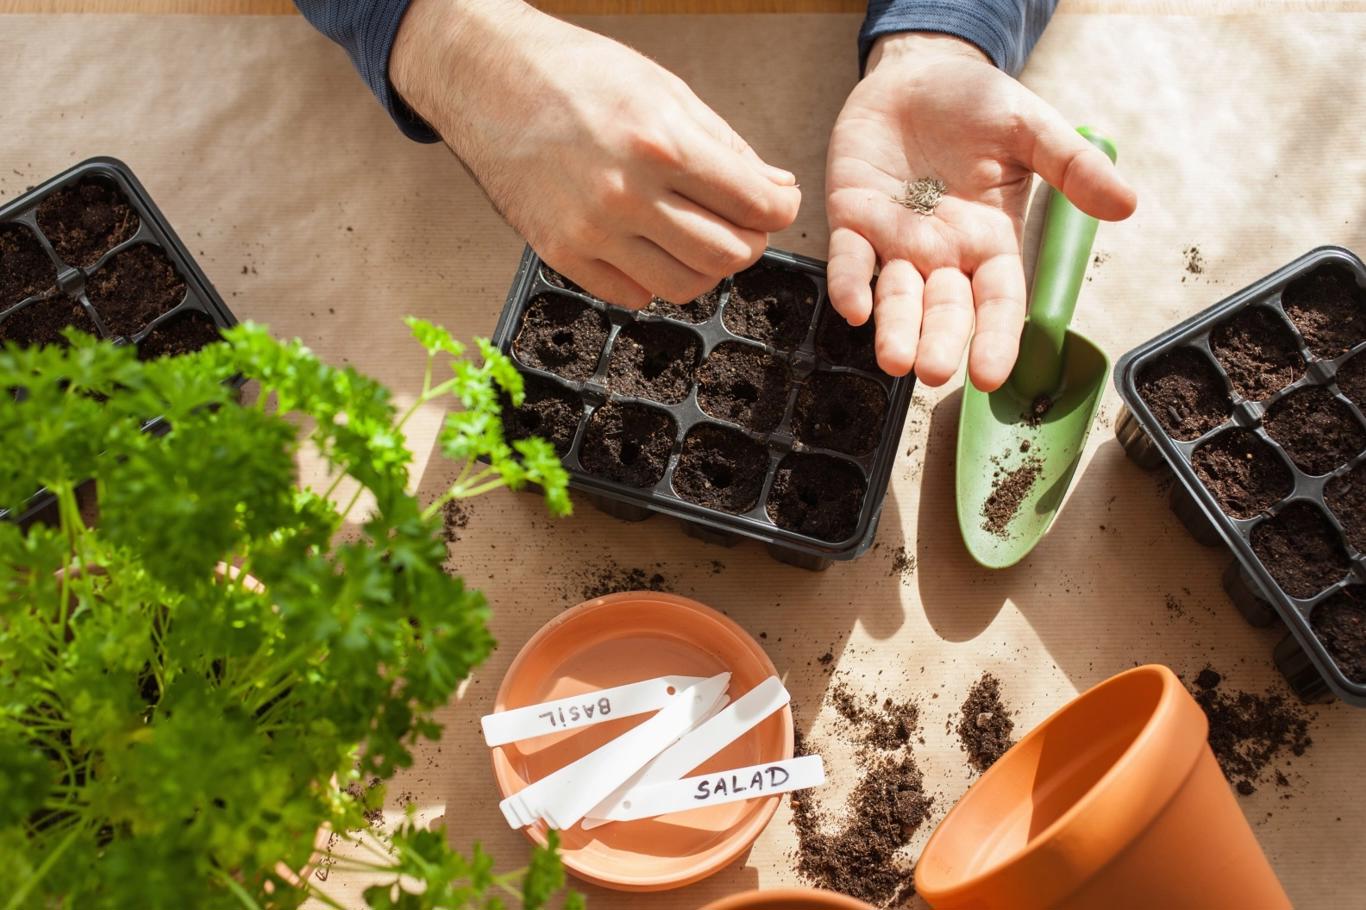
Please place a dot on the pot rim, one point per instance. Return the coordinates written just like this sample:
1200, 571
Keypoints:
1089, 833
788, 899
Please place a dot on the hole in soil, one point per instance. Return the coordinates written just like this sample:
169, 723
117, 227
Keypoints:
1243, 472
41, 322
85, 220
1258, 351
1340, 623
840, 411
653, 360
548, 410
817, 495
1346, 496
1329, 309
628, 443
1301, 550
721, 468
133, 288
742, 384
25, 269
1185, 393
1317, 429
1351, 379
771, 304
562, 336
846, 345
700, 310
181, 334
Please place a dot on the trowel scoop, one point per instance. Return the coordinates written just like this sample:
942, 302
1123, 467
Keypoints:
1019, 446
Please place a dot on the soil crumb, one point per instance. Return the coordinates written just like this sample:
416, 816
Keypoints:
1250, 733
1008, 492
455, 517
903, 564
922, 195
858, 849
1195, 260
985, 725
610, 578
1038, 409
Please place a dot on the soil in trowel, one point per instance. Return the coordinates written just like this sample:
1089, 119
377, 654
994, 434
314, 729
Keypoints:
985, 725
1249, 733
858, 849
1009, 489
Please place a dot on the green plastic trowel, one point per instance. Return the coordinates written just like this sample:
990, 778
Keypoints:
1018, 447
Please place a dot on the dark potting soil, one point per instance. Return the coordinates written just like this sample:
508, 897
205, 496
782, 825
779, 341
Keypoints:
721, 468
85, 220
1329, 308
1248, 732
742, 384
628, 443
1301, 550
1351, 379
846, 345
985, 725
1185, 393
1243, 472
700, 310
548, 410
25, 269
560, 281
1317, 429
817, 495
1009, 490
840, 411
771, 305
1340, 623
562, 336
890, 726
859, 850
42, 321
183, 333
133, 288
607, 577
1258, 351
653, 360
1346, 496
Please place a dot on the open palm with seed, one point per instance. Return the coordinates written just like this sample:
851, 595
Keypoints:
933, 108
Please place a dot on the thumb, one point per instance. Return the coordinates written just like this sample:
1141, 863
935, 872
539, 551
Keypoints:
1072, 165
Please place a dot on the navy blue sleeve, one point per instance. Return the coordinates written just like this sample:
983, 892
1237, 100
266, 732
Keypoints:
366, 29
1005, 30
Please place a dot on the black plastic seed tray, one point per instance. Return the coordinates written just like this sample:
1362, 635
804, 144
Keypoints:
48, 242
819, 357
1262, 396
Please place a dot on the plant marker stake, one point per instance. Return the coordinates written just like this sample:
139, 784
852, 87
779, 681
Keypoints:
564, 797
710, 737
584, 710
723, 787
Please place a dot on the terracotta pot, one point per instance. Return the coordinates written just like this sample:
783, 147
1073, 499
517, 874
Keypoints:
1115, 801
788, 899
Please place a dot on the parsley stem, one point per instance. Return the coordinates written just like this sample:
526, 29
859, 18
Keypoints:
18, 897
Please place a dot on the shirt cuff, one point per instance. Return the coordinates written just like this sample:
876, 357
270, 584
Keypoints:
997, 27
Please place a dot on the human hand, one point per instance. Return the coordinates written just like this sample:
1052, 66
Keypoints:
609, 166
934, 106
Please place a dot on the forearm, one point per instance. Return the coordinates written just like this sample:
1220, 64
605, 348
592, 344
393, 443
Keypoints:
448, 52
1004, 30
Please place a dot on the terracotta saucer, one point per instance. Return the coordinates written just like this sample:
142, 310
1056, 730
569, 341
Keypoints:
624, 638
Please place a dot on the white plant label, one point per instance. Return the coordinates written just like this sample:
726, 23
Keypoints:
753, 782
584, 710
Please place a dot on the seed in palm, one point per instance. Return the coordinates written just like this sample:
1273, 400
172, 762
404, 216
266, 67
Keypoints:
922, 194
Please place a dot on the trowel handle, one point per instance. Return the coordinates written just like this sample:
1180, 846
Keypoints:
1068, 234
